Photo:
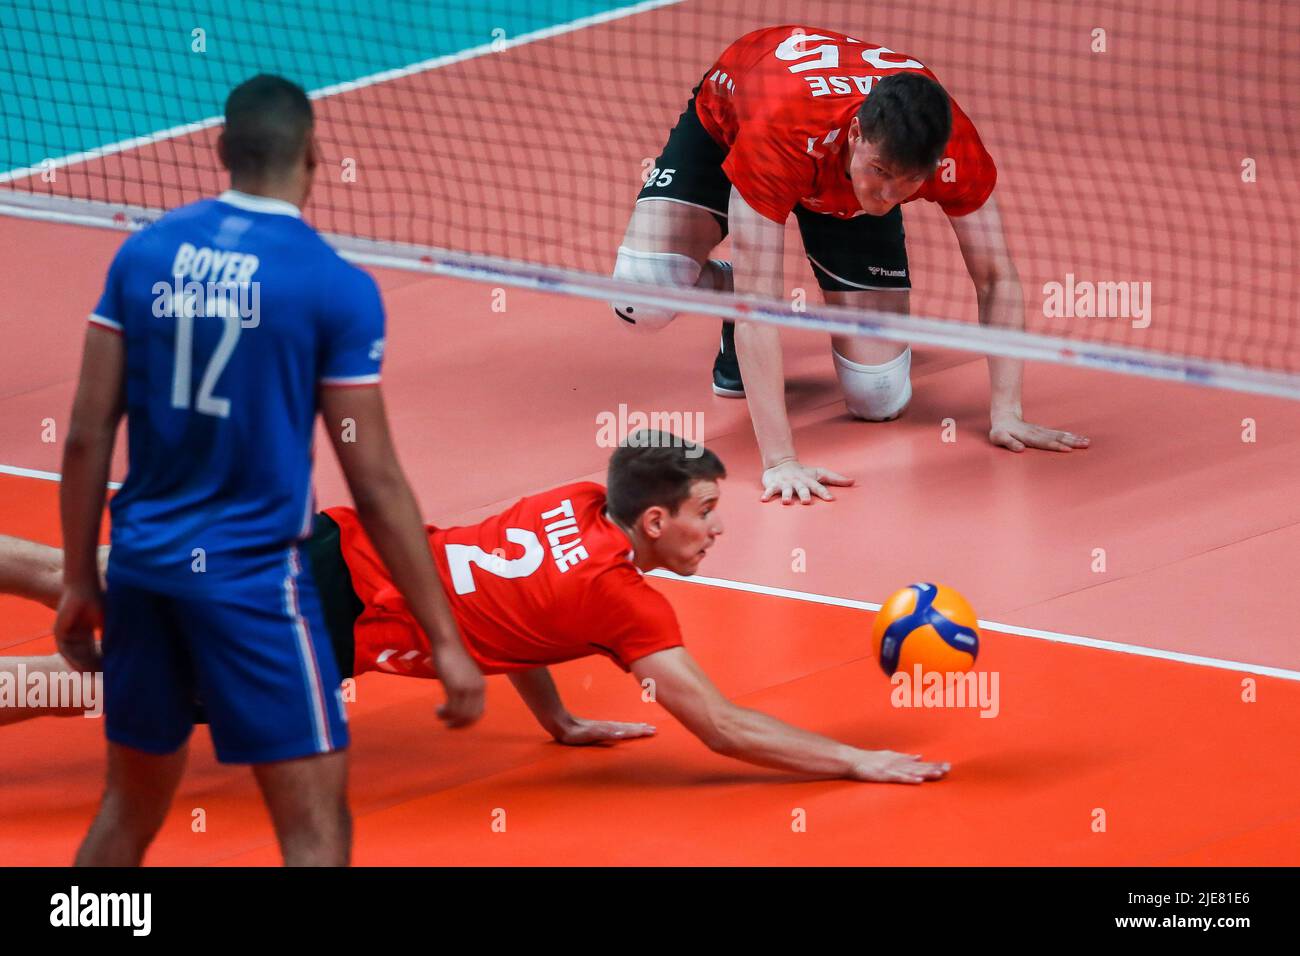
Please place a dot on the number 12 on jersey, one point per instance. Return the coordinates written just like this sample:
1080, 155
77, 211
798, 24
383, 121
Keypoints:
185, 309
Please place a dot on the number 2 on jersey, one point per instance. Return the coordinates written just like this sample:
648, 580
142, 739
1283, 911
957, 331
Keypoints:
462, 558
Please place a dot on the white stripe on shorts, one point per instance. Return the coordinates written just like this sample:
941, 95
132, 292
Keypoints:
307, 656
857, 285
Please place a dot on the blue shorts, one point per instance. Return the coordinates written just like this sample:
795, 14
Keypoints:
259, 660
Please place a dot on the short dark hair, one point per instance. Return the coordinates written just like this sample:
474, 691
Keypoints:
909, 117
268, 124
656, 468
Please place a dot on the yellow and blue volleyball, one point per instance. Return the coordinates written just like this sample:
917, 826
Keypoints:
926, 624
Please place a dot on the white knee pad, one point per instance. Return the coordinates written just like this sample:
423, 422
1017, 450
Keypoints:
658, 268
876, 393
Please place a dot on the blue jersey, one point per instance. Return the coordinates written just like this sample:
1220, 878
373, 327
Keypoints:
233, 312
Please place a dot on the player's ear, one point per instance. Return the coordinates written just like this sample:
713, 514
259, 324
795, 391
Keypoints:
652, 521
221, 149
313, 152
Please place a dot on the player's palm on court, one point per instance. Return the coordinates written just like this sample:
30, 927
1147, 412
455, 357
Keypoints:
789, 478
886, 766
586, 732
1016, 434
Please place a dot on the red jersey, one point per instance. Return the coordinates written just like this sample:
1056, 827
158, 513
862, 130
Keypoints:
781, 99
547, 580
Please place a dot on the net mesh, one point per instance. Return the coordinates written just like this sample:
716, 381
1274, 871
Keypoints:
1142, 147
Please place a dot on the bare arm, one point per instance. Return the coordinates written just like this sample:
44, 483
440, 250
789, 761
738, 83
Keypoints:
538, 690
686, 692
758, 254
997, 288
388, 511
87, 454
1001, 300
758, 250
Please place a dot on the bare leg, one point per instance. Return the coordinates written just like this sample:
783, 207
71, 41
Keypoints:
136, 799
58, 674
868, 351
668, 243
875, 374
659, 225
35, 571
309, 808
30, 570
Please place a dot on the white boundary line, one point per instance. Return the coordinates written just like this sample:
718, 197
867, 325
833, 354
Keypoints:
434, 63
43, 475
1054, 636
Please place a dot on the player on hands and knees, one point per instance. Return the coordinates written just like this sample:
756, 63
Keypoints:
839, 132
557, 576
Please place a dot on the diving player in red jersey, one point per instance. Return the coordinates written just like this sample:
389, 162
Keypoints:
840, 132
557, 576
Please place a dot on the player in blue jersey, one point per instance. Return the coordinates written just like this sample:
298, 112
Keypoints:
222, 331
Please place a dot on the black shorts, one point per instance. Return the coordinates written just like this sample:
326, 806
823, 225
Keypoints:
339, 602
324, 553
846, 255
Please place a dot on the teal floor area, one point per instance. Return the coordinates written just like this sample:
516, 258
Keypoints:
77, 75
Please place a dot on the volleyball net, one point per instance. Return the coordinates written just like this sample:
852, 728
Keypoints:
1147, 171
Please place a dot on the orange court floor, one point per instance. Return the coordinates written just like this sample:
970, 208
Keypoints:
1139, 602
